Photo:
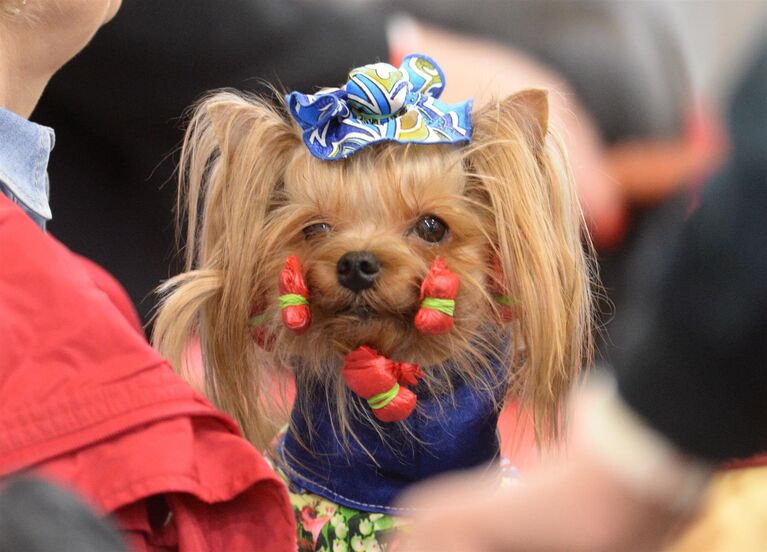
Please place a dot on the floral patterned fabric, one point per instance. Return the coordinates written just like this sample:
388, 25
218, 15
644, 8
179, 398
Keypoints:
324, 526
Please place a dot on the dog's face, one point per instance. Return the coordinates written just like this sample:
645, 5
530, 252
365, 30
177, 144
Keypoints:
501, 213
366, 231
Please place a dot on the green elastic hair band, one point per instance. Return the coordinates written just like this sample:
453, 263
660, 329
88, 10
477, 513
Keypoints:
257, 320
505, 300
292, 300
383, 399
445, 306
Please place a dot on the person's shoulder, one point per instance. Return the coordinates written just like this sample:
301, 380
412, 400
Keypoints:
46, 291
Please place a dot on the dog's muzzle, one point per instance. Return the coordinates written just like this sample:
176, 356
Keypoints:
358, 270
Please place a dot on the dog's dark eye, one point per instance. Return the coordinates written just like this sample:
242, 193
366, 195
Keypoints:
317, 229
431, 229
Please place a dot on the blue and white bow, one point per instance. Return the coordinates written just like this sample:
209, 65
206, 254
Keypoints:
381, 103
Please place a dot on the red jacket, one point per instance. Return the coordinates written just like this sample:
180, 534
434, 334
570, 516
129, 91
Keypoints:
85, 400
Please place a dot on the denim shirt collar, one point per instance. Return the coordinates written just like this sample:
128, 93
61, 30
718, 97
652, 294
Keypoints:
24, 151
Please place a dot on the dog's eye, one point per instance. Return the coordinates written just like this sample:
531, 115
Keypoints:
317, 229
431, 229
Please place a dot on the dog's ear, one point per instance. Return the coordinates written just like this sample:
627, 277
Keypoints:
532, 108
528, 110
233, 159
231, 121
234, 118
518, 170
233, 162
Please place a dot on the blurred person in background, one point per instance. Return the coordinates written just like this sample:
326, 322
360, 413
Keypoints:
84, 400
689, 391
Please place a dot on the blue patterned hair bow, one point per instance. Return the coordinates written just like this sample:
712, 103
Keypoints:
381, 103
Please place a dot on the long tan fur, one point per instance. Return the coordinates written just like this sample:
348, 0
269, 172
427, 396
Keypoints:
538, 233
249, 187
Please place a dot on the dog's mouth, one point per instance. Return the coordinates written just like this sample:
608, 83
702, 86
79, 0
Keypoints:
363, 312
345, 325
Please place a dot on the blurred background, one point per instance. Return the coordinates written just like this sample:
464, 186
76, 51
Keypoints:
638, 92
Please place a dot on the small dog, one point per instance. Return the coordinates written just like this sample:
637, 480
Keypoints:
407, 263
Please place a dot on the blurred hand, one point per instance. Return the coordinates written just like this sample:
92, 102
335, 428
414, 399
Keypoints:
585, 501
575, 505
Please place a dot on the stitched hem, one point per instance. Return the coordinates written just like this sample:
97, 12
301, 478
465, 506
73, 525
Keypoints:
307, 484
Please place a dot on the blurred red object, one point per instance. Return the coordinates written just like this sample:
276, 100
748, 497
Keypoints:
759, 460
649, 171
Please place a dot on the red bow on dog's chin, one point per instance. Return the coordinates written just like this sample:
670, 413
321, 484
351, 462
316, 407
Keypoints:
382, 382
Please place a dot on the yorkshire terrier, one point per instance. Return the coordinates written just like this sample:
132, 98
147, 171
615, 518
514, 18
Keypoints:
406, 263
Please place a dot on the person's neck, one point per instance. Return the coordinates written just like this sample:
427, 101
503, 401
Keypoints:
38, 41
21, 85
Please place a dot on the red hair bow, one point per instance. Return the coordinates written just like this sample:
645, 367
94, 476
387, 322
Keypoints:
438, 293
294, 297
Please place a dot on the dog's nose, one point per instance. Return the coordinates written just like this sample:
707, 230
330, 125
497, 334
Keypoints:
357, 270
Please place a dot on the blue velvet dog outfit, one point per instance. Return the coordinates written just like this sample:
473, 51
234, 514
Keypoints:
443, 434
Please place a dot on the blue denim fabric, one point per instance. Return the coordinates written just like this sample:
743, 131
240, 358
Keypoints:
25, 148
451, 433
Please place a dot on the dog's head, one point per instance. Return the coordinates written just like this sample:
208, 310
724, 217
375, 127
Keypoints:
501, 212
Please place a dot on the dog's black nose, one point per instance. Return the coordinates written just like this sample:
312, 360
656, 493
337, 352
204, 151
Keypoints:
357, 270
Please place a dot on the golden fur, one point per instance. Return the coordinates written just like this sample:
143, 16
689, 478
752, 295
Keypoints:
249, 187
